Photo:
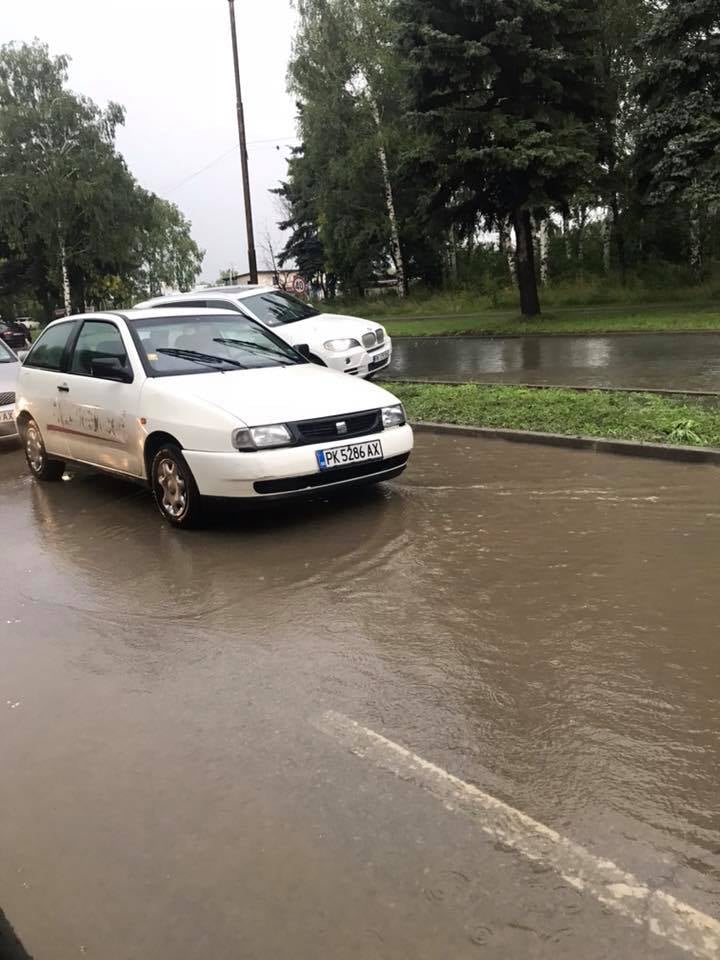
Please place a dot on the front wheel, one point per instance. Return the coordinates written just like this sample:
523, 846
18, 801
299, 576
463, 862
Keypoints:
174, 489
41, 466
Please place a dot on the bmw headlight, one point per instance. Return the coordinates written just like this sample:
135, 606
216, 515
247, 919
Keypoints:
393, 416
340, 346
261, 438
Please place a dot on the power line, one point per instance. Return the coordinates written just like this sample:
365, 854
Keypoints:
222, 156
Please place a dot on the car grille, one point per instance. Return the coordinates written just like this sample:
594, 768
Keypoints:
357, 424
368, 339
6, 399
391, 467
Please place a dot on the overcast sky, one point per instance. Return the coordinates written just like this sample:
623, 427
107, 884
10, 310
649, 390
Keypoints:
169, 62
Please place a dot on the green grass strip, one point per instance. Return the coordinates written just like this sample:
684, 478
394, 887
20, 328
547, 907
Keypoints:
606, 414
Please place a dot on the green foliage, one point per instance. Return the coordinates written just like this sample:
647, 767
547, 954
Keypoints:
679, 135
622, 416
600, 114
67, 199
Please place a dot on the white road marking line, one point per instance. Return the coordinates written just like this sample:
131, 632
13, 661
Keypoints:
662, 914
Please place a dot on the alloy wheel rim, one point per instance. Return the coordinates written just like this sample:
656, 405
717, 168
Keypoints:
34, 449
173, 488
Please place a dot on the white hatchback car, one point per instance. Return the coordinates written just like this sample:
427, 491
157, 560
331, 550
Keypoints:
359, 347
201, 403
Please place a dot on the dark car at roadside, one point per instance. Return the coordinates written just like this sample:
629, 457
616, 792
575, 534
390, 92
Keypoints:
14, 334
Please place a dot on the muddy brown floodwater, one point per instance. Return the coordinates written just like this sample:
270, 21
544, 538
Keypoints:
542, 623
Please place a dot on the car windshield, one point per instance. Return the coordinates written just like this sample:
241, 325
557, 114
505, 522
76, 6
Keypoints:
5, 355
199, 344
275, 308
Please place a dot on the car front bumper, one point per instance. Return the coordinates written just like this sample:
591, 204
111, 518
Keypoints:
360, 362
293, 471
8, 428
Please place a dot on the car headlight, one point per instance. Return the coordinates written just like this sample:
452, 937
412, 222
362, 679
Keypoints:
261, 438
340, 346
393, 416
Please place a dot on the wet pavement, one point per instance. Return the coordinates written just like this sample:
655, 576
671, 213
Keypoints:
683, 361
541, 623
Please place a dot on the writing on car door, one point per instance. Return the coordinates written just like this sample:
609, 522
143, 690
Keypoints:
99, 403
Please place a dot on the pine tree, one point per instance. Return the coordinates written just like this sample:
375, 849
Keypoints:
509, 92
678, 151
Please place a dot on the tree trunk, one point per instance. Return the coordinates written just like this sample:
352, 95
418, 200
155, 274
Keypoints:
527, 280
65, 278
582, 219
696, 259
566, 234
505, 246
390, 204
543, 250
619, 238
607, 243
452, 256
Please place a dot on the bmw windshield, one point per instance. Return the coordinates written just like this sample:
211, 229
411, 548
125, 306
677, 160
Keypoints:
276, 308
171, 346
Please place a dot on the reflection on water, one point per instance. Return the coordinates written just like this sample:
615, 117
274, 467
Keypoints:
677, 361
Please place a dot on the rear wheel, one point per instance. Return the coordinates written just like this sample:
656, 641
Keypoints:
41, 466
174, 489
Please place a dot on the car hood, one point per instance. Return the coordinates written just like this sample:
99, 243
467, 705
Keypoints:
277, 394
8, 376
325, 326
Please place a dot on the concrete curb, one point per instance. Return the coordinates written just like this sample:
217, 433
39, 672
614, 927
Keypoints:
553, 386
628, 448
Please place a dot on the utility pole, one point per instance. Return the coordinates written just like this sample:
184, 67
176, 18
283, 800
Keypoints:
252, 260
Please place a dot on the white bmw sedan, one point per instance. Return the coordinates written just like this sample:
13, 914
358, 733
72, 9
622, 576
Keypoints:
201, 403
359, 347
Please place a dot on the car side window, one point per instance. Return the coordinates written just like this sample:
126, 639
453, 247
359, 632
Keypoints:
98, 340
48, 350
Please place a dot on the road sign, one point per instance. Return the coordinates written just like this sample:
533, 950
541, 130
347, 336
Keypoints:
298, 285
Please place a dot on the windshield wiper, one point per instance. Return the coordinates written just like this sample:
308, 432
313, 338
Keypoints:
248, 344
207, 358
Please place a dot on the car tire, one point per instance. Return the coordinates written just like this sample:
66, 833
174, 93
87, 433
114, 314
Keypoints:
174, 489
42, 467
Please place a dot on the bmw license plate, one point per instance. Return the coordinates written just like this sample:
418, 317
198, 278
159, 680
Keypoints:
347, 455
5, 416
379, 359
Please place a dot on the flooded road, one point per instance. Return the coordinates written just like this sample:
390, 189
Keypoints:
682, 361
541, 623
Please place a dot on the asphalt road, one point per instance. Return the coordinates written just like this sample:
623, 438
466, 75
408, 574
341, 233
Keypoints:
475, 713
682, 361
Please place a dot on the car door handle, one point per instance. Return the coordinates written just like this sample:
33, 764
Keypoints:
64, 388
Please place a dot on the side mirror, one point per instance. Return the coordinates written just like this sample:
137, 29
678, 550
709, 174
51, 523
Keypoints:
110, 368
304, 350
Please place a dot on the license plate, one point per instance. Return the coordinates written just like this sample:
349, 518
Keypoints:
347, 455
5, 415
379, 358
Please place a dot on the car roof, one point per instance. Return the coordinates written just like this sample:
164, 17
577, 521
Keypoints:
237, 292
145, 313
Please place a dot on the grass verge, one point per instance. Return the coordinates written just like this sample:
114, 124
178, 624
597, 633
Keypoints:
605, 414
600, 319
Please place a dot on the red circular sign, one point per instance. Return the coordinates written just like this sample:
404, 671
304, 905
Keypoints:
298, 285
